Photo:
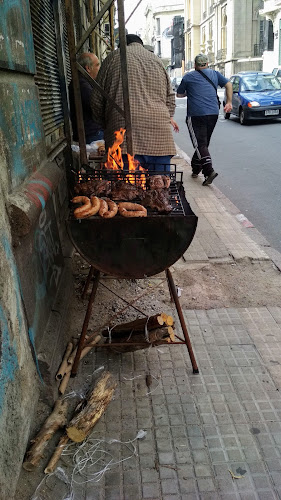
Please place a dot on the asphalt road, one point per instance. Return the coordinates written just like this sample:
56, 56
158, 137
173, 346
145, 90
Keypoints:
248, 161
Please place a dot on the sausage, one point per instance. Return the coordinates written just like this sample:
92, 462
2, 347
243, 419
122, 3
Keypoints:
79, 212
112, 209
103, 208
127, 209
95, 201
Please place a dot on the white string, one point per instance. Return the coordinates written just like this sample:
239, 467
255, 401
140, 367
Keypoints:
91, 453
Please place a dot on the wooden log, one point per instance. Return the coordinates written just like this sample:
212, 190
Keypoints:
136, 342
64, 382
63, 366
56, 419
168, 320
81, 424
56, 455
85, 351
138, 325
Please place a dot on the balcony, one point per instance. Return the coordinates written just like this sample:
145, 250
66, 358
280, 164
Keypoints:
258, 49
221, 55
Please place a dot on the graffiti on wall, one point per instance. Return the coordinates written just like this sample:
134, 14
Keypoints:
16, 40
21, 127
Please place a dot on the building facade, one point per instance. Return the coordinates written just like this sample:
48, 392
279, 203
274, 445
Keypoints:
229, 32
272, 52
158, 29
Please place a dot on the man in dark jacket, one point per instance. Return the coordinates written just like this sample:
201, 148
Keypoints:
200, 87
93, 131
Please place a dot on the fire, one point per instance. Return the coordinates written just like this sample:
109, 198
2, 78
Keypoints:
114, 154
115, 160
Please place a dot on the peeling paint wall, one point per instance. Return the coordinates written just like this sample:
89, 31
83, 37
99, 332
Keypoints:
31, 265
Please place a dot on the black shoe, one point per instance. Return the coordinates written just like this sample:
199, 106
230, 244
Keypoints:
208, 180
194, 176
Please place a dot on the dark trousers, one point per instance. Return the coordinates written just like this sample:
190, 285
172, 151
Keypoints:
200, 130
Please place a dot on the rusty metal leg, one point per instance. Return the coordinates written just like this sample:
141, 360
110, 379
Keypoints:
181, 318
88, 280
86, 323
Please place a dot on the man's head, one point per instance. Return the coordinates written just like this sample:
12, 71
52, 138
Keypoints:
133, 39
201, 61
90, 63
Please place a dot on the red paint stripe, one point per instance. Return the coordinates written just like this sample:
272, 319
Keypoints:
42, 178
38, 188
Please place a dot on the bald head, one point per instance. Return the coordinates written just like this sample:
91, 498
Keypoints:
90, 63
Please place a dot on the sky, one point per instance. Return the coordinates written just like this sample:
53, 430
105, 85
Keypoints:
137, 19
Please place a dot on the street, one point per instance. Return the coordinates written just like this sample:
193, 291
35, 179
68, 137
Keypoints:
248, 161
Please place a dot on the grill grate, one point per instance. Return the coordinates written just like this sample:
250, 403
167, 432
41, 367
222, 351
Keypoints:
141, 178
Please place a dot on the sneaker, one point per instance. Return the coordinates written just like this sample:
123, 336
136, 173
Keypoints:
194, 176
208, 180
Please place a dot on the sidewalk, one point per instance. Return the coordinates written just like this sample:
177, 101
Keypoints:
214, 435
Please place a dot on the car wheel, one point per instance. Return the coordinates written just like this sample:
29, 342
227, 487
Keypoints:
242, 118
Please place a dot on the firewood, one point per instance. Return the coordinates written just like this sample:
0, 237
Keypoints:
56, 455
64, 382
168, 320
85, 351
158, 336
63, 366
56, 419
138, 325
81, 424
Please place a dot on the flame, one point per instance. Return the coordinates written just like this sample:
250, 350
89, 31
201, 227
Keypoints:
115, 160
114, 154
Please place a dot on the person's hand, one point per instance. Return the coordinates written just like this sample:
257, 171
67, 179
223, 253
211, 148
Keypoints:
174, 125
228, 107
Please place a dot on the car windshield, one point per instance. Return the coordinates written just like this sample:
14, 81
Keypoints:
260, 83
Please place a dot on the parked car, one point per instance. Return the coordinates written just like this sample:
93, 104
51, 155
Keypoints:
175, 82
277, 72
256, 96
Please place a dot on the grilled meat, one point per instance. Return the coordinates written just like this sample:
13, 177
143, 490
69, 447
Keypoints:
158, 199
125, 191
159, 182
94, 187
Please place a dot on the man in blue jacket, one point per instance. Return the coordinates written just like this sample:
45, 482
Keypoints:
200, 87
93, 131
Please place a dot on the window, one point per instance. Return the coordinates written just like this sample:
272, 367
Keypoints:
158, 26
235, 84
159, 48
223, 27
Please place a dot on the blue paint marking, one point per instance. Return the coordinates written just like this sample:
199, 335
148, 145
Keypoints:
44, 184
9, 360
18, 291
22, 7
10, 258
21, 130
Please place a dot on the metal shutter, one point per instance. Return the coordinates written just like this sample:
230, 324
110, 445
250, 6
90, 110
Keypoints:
47, 75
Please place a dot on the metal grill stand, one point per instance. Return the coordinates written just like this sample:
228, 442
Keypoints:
96, 277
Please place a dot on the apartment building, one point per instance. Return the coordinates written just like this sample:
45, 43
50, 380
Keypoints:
158, 29
230, 32
272, 50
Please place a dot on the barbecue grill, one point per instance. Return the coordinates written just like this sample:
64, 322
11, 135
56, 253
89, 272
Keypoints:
135, 247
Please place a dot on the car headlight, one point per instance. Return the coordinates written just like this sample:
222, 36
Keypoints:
253, 104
